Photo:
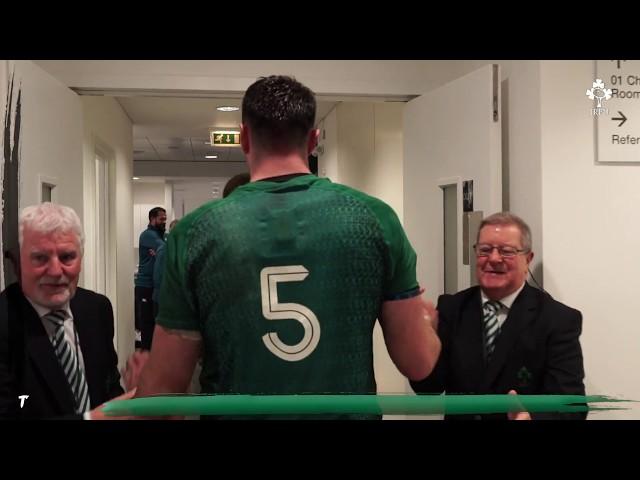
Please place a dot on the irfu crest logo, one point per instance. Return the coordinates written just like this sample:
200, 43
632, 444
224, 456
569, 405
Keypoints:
599, 92
524, 377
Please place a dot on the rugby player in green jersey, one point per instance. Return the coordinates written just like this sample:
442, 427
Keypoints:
278, 286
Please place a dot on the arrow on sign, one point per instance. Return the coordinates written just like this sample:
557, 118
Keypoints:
621, 117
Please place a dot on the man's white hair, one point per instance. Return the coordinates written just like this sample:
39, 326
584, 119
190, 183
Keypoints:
48, 218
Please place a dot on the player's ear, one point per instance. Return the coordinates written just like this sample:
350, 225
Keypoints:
245, 141
312, 141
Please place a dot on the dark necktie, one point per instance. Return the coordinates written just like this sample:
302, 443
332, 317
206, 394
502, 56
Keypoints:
68, 361
491, 327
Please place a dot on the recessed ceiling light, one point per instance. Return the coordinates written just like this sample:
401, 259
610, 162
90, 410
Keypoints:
228, 108
211, 156
136, 178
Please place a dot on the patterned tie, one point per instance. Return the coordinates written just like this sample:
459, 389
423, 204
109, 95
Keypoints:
491, 328
69, 362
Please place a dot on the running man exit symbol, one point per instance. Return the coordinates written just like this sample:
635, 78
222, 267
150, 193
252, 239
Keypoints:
225, 138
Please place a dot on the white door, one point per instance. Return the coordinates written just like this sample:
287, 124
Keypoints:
451, 135
101, 219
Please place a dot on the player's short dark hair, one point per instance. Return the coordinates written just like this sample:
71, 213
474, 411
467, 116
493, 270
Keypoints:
280, 112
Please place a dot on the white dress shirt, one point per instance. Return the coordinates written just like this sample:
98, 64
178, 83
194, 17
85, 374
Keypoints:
505, 304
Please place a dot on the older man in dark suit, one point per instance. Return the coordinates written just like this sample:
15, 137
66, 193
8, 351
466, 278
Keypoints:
58, 358
504, 336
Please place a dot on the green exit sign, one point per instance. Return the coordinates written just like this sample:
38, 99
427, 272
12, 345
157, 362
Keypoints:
221, 138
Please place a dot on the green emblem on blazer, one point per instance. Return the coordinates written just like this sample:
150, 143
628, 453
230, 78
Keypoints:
524, 377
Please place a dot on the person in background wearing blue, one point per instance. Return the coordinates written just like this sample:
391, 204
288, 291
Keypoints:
150, 241
158, 269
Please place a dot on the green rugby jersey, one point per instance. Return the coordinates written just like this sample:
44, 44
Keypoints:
284, 281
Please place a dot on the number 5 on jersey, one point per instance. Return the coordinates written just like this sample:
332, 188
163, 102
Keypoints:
272, 310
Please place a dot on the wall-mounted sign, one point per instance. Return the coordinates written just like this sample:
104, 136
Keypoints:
225, 138
615, 106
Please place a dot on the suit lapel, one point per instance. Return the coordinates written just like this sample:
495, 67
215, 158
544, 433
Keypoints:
522, 312
42, 355
82, 320
469, 340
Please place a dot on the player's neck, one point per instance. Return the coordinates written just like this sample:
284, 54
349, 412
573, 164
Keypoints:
277, 165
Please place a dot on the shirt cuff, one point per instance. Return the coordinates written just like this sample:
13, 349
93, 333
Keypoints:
86, 415
414, 292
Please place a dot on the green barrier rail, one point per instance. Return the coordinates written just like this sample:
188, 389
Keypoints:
189, 405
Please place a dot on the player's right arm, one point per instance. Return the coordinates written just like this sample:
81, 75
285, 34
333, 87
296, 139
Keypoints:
177, 342
170, 366
410, 332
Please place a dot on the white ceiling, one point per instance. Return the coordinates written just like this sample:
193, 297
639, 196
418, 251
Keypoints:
171, 103
173, 130
400, 79
182, 149
194, 113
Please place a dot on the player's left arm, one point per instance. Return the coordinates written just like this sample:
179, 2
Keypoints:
409, 323
409, 327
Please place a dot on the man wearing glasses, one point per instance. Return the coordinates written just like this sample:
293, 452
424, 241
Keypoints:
505, 336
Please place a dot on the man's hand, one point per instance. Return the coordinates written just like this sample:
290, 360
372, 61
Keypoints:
96, 413
152, 252
430, 312
409, 327
135, 364
517, 415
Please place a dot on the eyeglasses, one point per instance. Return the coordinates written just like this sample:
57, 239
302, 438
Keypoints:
484, 250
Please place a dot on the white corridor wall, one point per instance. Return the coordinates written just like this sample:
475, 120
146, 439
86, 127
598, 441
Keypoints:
107, 127
590, 234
